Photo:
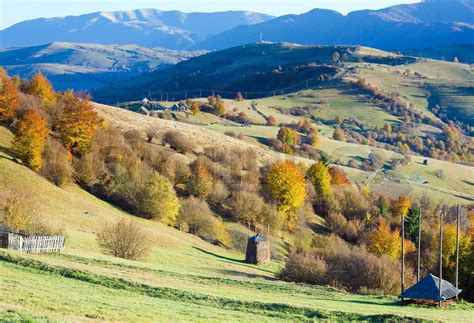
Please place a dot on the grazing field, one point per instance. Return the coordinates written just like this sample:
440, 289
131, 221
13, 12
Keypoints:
184, 278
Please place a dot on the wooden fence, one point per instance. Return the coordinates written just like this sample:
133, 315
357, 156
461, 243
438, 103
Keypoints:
35, 244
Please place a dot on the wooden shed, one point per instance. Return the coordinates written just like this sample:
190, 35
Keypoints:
258, 250
29, 243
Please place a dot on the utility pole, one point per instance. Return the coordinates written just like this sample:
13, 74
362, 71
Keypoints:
458, 214
419, 246
440, 258
403, 253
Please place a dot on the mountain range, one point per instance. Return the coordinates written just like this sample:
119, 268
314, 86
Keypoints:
143, 27
87, 66
425, 24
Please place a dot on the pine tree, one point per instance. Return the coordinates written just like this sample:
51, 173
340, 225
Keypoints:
30, 136
411, 223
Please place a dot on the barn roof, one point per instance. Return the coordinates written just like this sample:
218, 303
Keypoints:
428, 288
258, 238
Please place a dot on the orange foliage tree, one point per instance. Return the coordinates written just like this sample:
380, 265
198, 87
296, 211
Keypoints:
195, 108
9, 97
272, 121
339, 134
30, 136
338, 176
78, 124
286, 185
40, 87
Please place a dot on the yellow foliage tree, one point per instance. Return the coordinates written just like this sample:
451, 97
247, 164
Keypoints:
30, 136
78, 124
401, 205
286, 185
221, 234
200, 183
382, 241
9, 97
319, 175
40, 87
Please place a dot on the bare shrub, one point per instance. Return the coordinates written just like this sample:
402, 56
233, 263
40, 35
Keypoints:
196, 218
338, 224
124, 239
219, 193
178, 142
56, 166
304, 267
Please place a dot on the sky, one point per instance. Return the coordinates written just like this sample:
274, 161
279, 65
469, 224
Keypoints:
13, 11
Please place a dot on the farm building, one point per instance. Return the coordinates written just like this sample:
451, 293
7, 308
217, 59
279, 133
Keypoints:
180, 106
29, 243
428, 289
258, 250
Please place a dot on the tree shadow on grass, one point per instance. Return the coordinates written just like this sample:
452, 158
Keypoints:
232, 260
8, 154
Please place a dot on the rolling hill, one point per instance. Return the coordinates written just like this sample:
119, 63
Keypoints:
425, 24
87, 66
143, 27
259, 69
185, 278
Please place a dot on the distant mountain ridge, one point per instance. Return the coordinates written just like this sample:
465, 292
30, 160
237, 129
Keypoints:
143, 27
87, 66
425, 24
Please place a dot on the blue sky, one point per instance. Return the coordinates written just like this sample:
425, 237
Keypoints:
13, 11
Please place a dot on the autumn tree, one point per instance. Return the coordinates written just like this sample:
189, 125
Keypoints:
286, 185
40, 87
30, 136
388, 128
200, 182
339, 134
221, 234
195, 108
313, 138
272, 121
217, 104
156, 199
382, 241
335, 57
320, 177
288, 136
338, 176
401, 205
77, 124
9, 97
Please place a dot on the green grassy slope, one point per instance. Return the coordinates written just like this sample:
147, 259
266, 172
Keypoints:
184, 279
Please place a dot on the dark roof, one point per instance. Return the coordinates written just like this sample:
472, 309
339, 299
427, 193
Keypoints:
258, 238
428, 288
